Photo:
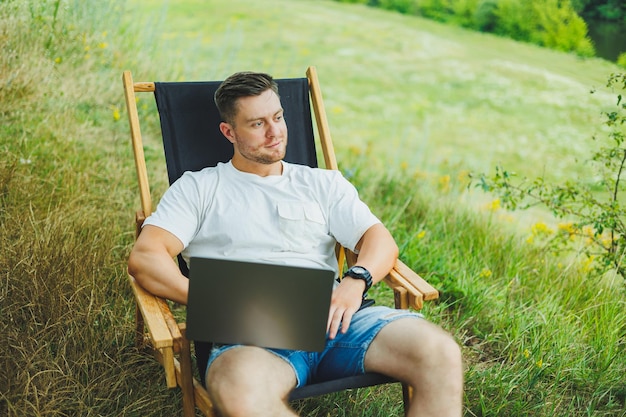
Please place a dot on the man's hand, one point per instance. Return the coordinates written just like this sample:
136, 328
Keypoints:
345, 301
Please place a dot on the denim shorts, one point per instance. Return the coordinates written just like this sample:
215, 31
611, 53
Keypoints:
343, 356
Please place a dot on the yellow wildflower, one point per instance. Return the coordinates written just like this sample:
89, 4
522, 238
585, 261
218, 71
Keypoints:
485, 273
116, 113
355, 150
417, 174
444, 182
540, 228
421, 234
494, 205
588, 263
567, 228
464, 178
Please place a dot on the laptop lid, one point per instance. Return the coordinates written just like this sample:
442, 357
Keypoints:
259, 304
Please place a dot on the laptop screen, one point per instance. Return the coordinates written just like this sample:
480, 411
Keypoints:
268, 305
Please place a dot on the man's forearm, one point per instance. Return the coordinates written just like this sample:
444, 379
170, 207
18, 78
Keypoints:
377, 252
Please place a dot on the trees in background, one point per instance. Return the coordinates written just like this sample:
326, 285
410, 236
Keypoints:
554, 24
611, 10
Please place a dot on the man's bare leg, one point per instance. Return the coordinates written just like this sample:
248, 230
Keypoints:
250, 381
421, 354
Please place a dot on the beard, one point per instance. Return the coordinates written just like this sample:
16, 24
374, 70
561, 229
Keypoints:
263, 155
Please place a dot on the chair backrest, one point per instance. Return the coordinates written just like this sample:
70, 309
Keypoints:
190, 125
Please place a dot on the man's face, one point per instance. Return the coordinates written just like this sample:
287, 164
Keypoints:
259, 132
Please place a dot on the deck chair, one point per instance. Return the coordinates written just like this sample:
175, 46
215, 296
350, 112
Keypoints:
192, 141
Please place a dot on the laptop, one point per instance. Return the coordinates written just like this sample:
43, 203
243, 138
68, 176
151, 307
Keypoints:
260, 304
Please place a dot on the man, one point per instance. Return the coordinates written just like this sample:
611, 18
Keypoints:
259, 207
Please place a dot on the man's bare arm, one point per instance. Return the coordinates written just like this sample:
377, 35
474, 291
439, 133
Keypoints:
377, 253
151, 263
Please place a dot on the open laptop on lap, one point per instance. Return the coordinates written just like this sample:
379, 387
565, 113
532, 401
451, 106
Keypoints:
259, 304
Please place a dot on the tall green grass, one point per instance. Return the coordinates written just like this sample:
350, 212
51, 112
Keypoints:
540, 335
66, 313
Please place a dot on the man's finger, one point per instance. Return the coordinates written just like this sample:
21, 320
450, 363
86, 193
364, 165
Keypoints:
335, 323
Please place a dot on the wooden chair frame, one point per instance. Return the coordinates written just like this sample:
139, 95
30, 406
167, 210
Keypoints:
156, 328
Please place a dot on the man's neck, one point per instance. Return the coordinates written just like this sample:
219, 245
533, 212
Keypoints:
262, 170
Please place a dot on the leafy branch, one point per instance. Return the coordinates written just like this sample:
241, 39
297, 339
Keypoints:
596, 211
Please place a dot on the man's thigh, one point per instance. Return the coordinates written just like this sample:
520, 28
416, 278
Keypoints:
400, 343
345, 355
249, 367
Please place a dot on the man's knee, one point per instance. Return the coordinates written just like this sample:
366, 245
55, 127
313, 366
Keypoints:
227, 385
440, 346
449, 351
416, 341
240, 383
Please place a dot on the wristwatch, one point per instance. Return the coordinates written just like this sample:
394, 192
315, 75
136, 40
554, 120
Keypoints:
358, 272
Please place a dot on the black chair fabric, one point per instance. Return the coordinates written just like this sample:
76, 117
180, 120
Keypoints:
192, 141
190, 125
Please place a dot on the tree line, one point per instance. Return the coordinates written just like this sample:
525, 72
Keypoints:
555, 24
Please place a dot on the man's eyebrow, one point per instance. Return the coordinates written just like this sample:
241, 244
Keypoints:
252, 119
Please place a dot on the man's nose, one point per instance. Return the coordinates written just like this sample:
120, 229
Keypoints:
273, 129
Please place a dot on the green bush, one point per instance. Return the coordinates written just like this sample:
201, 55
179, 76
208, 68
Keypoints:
485, 17
621, 60
402, 6
560, 28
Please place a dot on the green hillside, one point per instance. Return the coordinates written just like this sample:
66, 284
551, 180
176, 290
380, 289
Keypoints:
406, 89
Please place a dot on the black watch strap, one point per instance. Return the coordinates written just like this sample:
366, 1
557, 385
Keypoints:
358, 272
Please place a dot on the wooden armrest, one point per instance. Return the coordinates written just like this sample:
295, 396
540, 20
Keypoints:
409, 285
429, 292
165, 336
152, 313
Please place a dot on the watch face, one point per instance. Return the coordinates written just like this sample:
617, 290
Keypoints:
358, 270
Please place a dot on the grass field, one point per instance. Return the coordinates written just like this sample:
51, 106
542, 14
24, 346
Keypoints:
441, 95
413, 106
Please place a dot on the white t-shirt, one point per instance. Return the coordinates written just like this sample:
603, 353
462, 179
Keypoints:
294, 218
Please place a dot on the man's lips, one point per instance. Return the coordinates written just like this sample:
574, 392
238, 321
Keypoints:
274, 144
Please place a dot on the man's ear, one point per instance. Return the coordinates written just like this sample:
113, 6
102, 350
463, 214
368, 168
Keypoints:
228, 131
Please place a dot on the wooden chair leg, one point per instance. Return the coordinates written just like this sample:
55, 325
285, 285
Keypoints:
139, 329
407, 393
189, 404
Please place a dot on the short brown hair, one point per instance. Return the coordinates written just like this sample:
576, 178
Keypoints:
239, 85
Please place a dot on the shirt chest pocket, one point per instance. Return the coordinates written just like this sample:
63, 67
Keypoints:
302, 226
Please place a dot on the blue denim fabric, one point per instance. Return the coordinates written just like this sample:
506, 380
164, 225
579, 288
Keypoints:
343, 356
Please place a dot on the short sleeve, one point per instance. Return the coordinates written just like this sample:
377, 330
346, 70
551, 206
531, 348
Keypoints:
180, 209
349, 216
